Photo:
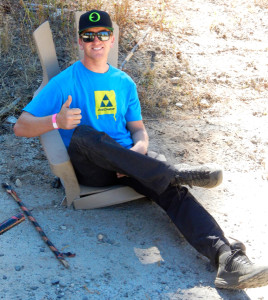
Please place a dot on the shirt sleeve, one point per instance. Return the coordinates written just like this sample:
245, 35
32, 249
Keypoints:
49, 101
134, 109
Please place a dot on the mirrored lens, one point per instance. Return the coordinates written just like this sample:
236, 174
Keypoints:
88, 37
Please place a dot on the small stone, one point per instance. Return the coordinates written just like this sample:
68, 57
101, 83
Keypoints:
179, 104
63, 227
100, 237
54, 282
175, 80
204, 103
42, 281
63, 284
42, 249
18, 268
1, 254
4, 277
11, 120
18, 183
34, 288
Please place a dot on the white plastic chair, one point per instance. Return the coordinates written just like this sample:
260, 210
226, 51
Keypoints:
82, 197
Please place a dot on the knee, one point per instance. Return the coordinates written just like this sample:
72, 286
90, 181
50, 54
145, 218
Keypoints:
85, 134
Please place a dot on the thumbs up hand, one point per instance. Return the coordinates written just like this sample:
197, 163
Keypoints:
68, 118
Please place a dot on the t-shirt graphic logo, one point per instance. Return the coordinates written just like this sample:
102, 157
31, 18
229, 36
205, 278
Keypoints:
105, 103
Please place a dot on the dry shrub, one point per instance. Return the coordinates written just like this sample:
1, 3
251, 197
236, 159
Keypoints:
261, 3
21, 72
122, 13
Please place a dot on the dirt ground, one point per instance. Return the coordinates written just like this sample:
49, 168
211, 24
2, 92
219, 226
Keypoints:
133, 250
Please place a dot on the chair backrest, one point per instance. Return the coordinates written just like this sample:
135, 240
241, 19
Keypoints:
47, 54
113, 55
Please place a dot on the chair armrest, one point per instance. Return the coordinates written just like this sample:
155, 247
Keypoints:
60, 164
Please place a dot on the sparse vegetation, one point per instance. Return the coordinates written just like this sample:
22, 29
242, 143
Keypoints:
22, 73
152, 67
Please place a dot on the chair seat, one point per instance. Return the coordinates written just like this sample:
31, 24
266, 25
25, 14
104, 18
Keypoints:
101, 197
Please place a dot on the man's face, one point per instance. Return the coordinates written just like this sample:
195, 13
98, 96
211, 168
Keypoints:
97, 49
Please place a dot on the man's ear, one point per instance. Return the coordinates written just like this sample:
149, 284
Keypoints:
80, 44
112, 42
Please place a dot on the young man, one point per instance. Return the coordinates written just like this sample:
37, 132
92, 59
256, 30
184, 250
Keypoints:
96, 109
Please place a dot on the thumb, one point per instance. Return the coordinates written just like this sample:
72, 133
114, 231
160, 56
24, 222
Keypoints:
68, 102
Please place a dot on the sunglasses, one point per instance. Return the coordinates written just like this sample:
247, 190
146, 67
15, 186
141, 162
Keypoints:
89, 37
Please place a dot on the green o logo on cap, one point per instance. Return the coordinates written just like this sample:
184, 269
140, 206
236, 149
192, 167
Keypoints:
94, 17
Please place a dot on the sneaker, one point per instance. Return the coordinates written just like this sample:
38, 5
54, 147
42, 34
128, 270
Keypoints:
236, 245
206, 176
237, 272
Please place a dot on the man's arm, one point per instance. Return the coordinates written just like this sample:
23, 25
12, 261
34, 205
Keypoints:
140, 139
30, 126
139, 136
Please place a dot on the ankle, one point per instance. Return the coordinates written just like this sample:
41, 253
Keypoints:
223, 251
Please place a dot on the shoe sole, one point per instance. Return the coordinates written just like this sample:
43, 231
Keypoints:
249, 281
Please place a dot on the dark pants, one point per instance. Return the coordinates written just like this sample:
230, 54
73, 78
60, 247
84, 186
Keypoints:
96, 158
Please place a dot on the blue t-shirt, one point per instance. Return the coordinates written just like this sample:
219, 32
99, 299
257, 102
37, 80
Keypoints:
107, 100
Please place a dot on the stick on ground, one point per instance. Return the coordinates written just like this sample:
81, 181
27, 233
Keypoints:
60, 256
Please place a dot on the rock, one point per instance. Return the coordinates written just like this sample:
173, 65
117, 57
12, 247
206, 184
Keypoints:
18, 183
11, 120
42, 280
54, 282
182, 73
204, 103
175, 80
18, 268
100, 237
179, 104
63, 284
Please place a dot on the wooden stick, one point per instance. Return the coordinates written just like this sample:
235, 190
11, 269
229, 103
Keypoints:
11, 222
135, 48
58, 255
9, 106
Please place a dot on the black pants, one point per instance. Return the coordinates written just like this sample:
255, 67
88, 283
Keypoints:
96, 158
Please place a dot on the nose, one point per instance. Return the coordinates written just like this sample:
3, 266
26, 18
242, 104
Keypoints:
96, 39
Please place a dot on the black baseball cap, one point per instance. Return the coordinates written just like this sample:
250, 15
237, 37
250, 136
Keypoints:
95, 18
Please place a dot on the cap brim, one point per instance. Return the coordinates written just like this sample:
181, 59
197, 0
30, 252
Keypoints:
110, 28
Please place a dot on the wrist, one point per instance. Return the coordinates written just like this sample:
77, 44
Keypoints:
140, 148
54, 121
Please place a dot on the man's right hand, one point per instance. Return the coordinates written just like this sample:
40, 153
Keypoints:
68, 118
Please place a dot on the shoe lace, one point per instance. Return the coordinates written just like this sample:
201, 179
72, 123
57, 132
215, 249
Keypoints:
236, 260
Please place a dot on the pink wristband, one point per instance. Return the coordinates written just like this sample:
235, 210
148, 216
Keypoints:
54, 122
